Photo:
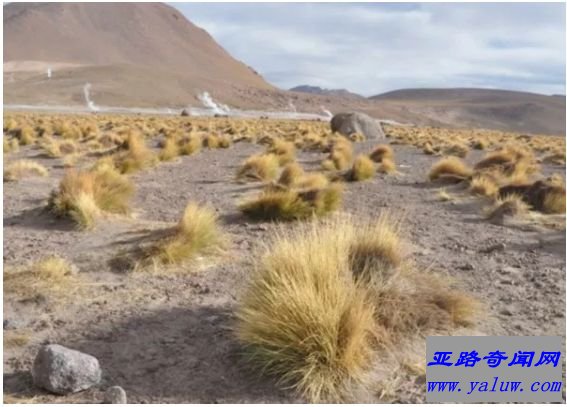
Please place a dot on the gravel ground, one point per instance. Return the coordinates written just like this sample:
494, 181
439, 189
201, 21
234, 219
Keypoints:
166, 338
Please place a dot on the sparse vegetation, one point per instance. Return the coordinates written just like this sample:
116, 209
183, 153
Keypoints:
24, 168
52, 275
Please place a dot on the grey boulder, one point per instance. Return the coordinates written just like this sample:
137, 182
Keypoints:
354, 122
62, 371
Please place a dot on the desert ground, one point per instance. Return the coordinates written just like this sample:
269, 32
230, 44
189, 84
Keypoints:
174, 312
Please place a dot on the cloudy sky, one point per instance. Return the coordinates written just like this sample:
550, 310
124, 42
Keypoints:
374, 48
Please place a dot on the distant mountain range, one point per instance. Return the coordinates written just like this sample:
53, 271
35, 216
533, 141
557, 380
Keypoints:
316, 90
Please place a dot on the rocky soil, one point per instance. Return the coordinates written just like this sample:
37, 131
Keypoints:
167, 338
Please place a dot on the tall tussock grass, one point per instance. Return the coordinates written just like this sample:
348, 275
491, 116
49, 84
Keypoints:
262, 167
196, 233
328, 298
291, 204
84, 195
451, 169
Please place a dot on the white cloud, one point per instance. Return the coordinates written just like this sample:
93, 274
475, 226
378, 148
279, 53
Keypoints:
372, 48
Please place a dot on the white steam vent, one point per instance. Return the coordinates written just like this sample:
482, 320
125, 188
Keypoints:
48, 72
90, 103
329, 114
292, 107
208, 101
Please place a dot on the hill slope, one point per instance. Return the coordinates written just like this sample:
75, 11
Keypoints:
122, 37
488, 108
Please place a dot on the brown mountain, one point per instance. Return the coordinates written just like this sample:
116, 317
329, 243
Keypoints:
486, 108
121, 48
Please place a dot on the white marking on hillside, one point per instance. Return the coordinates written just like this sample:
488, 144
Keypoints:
328, 113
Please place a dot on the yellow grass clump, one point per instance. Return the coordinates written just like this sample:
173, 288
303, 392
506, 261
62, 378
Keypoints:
289, 204
84, 195
197, 233
380, 152
137, 156
24, 168
263, 167
386, 166
508, 206
283, 150
190, 145
483, 185
170, 150
449, 168
290, 174
362, 169
326, 300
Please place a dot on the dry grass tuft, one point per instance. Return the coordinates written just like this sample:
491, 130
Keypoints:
83, 196
483, 185
362, 169
283, 150
137, 156
380, 152
190, 145
449, 167
170, 150
24, 168
52, 276
289, 204
263, 167
291, 174
387, 166
546, 196
328, 298
509, 206
197, 233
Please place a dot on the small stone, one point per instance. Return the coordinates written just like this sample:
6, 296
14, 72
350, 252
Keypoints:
506, 312
115, 395
62, 371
